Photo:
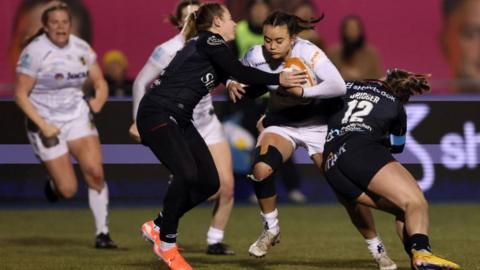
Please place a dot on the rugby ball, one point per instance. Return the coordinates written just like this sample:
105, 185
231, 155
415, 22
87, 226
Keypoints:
294, 64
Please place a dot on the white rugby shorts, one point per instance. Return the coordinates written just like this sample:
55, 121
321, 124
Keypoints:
69, 131
312, 138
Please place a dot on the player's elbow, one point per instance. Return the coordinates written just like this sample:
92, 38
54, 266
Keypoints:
341, 87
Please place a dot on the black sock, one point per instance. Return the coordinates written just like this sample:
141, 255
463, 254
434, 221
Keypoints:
420, 241
407, 246
158, 220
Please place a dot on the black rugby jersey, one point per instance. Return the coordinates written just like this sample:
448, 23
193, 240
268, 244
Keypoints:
369, 109
197, 69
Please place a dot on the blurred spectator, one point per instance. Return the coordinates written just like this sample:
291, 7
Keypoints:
115, 65
461, 43
288, 5
307, 11
249, 32
353, 57
27, 22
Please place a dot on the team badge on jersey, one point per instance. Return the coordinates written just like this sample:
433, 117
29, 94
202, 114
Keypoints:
83, 60
214, 41
26, 61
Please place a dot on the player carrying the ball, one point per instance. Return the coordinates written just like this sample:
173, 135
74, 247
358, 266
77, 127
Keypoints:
294, 119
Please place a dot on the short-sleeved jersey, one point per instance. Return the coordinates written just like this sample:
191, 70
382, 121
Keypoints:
60, 74
197, 69
369, 109
163, 54
279, 101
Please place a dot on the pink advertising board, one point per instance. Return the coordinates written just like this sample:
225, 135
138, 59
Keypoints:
405, 33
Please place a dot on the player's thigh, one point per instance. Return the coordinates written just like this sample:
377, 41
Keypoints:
63, 175
277, 139
88, 153
396, 184
318, 161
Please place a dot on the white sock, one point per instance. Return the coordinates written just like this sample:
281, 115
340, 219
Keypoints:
214, 235
271, 221
164, 246
99, 204
375, 246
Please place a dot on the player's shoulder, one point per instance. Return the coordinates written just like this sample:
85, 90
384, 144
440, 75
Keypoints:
302, 45
38, 45
307, 51
172, 45
79, 44
255, 53
37, 49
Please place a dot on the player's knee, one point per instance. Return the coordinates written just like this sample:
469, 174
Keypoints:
267, 160
414, 201
418, 202
212, 186
189, 175
261, 171
67, 191
95, 173
226, 191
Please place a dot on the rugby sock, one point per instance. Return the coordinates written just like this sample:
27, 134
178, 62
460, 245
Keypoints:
406, 246
164, 246
271, 221
214, 235
158, 220
375, 246
98, 202
420, 241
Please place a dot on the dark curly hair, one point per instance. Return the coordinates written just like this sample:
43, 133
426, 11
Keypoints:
404, 84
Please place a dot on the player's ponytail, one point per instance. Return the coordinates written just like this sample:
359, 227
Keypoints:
189, 29
404, 84
294, 23
202, 19
45, 16
176, 18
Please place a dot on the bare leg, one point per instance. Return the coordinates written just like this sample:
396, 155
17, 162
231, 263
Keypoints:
88, 153
224, 199
264, 187
262, 170
63, 176
362, 218
396, 184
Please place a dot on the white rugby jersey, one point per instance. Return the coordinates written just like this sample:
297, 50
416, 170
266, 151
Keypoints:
330, 82
155, 66
60, 73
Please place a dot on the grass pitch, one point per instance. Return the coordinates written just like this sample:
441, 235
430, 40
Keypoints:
313, 237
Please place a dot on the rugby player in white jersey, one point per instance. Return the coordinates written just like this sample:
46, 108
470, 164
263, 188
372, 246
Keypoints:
207, 124
294, 119
50, 74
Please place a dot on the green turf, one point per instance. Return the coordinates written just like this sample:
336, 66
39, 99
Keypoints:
313, 237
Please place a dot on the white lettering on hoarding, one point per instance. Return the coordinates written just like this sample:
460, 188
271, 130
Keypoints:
415, 114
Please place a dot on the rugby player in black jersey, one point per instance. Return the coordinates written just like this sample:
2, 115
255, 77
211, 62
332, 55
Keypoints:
302, 125
369, 125
164, 117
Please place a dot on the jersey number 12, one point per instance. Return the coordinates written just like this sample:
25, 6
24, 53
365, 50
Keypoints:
361, 108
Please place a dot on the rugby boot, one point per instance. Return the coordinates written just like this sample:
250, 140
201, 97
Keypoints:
266, 240
425, 260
